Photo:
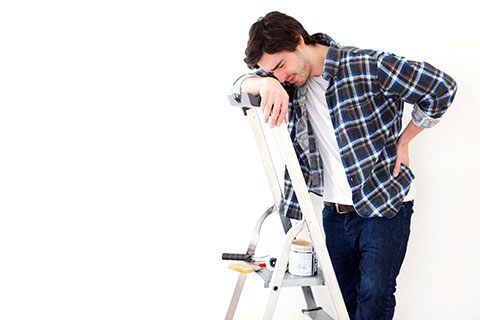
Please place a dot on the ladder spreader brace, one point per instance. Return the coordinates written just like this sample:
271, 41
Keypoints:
279, 278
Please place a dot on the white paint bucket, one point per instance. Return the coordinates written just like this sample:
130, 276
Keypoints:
302, 260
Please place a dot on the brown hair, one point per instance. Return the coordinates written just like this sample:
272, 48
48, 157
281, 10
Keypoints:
274, 33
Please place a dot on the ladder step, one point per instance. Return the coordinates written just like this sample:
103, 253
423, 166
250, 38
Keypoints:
317, 314
289, 280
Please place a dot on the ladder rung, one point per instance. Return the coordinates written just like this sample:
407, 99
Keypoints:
289, 280
317, 314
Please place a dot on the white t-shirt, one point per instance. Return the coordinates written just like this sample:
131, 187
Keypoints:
337, 188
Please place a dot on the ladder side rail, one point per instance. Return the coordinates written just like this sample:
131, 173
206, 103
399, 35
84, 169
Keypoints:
272, 178
236, 296
310, 218
268, 165
265, 155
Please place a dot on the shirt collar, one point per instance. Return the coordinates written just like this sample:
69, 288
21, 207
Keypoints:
330, 69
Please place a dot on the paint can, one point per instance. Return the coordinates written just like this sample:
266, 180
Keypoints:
302, 261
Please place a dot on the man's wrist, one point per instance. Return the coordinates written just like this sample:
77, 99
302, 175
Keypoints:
409, 133
402, 142
264, 80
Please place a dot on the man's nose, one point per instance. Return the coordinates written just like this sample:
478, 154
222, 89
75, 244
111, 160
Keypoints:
281, 76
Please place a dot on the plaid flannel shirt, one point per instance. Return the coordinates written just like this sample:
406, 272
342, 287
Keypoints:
365, 96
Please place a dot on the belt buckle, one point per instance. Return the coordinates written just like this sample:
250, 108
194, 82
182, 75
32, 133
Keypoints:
337, 207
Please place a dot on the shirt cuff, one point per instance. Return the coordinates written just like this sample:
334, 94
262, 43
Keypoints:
421, 119
236, 89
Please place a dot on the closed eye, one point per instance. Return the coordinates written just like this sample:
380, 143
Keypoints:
278, 65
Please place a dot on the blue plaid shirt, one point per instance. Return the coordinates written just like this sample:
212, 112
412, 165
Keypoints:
365, 96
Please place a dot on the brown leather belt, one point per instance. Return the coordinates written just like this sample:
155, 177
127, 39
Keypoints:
340, 208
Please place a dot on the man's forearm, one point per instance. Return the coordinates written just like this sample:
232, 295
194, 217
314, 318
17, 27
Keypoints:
409, 133
252, 85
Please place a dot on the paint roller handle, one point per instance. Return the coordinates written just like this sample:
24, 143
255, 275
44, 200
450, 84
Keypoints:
237, 256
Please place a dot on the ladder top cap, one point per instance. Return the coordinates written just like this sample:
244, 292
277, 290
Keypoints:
245, 100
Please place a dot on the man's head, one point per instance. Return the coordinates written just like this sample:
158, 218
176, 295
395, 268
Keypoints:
274, 33
275, 44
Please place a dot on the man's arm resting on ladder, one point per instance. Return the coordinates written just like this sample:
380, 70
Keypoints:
274, 103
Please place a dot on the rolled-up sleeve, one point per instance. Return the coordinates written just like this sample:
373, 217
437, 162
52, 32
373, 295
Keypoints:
237, 85
429, 89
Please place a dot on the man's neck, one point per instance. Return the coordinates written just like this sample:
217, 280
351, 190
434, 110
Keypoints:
316, 56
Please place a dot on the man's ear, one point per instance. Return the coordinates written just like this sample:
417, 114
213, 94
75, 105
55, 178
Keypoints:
301, 42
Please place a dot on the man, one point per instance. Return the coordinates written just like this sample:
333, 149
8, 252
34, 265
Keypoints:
344, 109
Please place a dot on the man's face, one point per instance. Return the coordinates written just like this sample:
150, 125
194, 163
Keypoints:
286, 66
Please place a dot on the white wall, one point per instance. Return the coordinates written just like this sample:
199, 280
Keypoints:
124, 173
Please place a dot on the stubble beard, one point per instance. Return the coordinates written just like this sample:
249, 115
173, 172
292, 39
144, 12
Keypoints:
304, 73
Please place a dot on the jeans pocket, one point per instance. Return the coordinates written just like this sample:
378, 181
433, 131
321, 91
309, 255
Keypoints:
407, 209
327, 211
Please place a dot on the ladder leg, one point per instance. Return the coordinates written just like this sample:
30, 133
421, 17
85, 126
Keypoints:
236, 296
313, 311
309, 299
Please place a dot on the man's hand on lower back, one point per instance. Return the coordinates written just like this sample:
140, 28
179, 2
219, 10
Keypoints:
402, 157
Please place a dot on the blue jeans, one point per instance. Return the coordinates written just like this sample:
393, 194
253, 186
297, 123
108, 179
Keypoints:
367, 254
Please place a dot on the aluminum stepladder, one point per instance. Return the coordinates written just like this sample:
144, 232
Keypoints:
279, 278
